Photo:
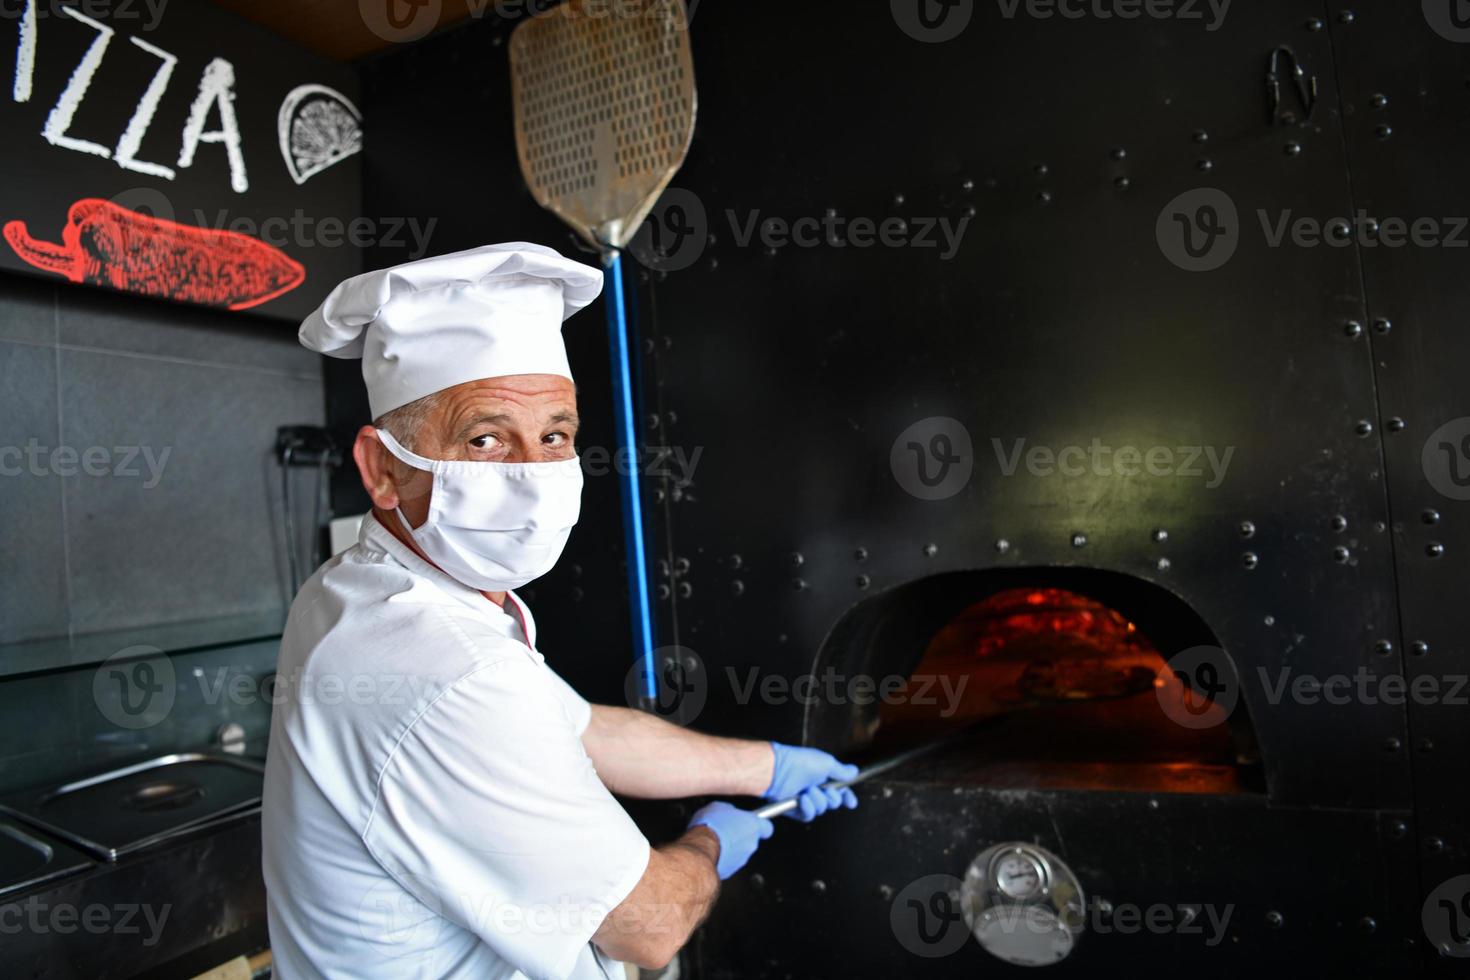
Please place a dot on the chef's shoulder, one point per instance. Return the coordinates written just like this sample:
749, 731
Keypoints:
384, 614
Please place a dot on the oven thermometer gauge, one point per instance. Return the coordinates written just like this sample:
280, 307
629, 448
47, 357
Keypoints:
1019, 875
1023, 904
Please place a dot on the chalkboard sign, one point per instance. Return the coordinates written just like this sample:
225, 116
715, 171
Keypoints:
168, 148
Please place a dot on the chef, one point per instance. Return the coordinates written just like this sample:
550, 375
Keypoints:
438, 801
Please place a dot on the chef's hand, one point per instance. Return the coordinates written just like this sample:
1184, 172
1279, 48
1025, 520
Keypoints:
739, 831
800, 772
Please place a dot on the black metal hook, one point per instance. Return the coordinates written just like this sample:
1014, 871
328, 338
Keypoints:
1306, 86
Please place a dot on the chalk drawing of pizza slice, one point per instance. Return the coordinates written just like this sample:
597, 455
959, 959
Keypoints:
319, 127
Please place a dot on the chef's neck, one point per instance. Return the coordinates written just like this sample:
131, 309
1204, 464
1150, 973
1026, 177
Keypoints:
395, 528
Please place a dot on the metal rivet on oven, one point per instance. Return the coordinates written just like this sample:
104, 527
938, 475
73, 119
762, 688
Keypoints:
1162, 564
1314, 23
1419, 648
1269, 620
1363, 427
1118, 153
1200, 136
1367, 925
1396, 424
863, 581
681, 565
1378, 100
1293, 148
1160, 535
860, 554
887, 792
677, 494
1250, 559
819, 886
1382, 325
1434, 844
967, 185
1205, 163
1426, 745
797, 559
1430, 516
1341, 554
799, 584
1122, 183
1383, 647
1397, 828
577, 593
1079, 539
930, 550
1383, 131
1153, 804
1392, 744
1247, 529
663, 591
1339, 523
1352, 329
663, 568
735, 562
1041, 170
1346, 17
737, 587
685, 590
1380, 526
1002, 545
757, 880
1434, 549
1043, 197
1275, 919
885, 892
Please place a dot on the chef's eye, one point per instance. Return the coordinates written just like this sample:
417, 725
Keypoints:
557, 439
486, 441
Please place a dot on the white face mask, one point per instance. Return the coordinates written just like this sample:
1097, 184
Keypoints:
495, 526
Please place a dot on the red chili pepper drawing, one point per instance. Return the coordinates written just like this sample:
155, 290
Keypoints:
105, 244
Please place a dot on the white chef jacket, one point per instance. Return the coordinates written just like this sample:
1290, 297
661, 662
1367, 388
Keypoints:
429, 810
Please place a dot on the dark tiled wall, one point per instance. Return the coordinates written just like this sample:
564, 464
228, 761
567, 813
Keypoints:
177, 517
168, 535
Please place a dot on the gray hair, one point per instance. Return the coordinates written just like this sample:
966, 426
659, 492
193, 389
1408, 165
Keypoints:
405, 421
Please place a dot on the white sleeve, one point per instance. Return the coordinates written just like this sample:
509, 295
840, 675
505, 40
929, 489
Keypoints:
577, 706
491, 814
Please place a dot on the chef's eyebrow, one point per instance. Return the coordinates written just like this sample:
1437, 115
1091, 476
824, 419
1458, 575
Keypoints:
479, 420
560, 418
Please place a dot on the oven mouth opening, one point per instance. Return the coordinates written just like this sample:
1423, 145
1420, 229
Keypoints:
1035, 678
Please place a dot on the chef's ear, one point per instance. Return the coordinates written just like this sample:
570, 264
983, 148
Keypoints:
376, 467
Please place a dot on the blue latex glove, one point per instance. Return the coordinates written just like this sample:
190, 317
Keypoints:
800, 772
740, 832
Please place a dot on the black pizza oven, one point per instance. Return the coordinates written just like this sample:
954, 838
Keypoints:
1039, 685
1175, 524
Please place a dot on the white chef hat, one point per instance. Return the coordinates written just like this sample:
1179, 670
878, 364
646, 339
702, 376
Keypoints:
428, 325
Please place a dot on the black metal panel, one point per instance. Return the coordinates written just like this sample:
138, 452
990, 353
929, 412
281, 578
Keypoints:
1059, 321
1406, 102
1332, 883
